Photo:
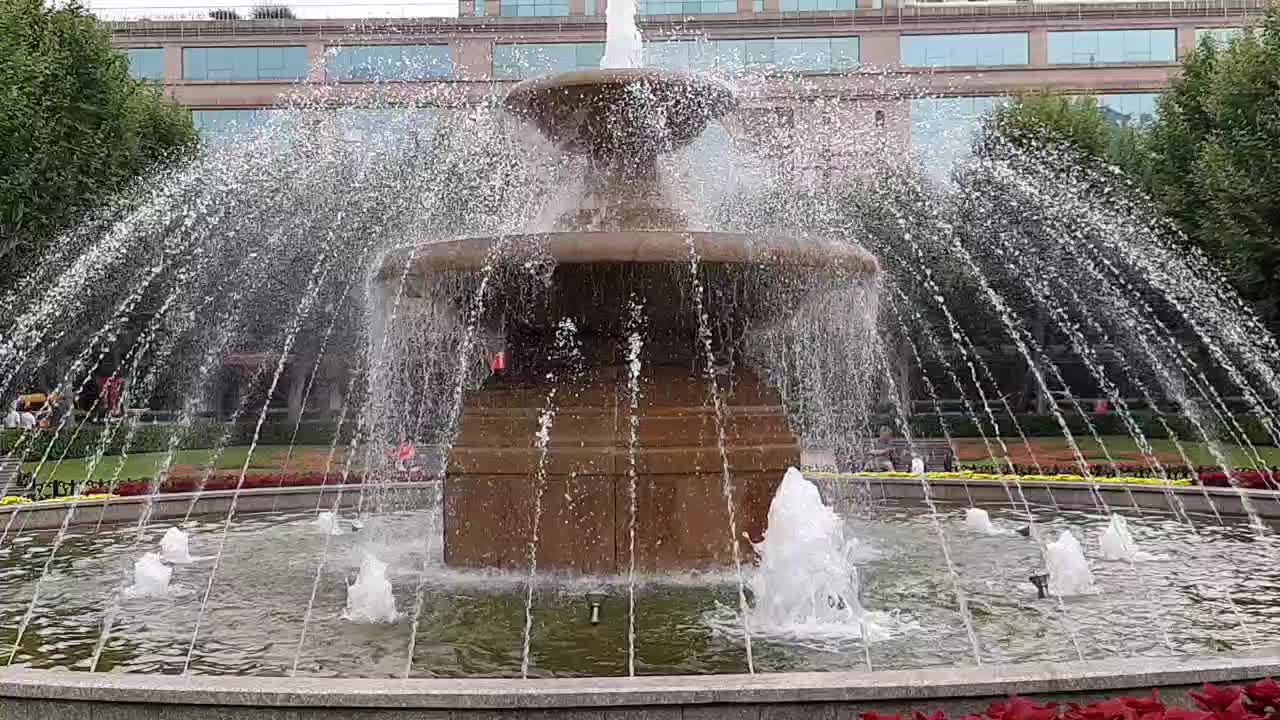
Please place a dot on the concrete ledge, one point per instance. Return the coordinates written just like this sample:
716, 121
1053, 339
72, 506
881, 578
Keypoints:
809, 695
112, 511
1071, 495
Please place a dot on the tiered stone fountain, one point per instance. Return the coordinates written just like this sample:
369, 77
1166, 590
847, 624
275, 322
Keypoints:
626, 242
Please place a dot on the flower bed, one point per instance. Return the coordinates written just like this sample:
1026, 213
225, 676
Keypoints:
998, 477
1255, 701
228, 481
1251, 479
16, 500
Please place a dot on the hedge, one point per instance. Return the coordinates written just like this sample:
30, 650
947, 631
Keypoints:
963, 426
149, 437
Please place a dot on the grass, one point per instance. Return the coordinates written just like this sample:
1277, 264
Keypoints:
266, 459
1123, 449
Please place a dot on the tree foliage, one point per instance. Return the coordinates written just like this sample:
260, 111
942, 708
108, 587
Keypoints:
1215, 160
74, 128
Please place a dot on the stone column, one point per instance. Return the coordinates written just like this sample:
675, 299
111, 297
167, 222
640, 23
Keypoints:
1038, 47
473, 57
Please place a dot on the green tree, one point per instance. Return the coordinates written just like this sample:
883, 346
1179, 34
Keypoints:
74, 127
1215, 159
1037, 123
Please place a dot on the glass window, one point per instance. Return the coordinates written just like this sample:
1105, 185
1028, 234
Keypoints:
1129, 109
1088, 47
965, 50
757, 5
813, 5
784, 54
514, 62
387, 128
943, 129
146, 63
221, 125
244, 63
1220, 37
389, 62
589, 8
477, 8
534, 8
687, 7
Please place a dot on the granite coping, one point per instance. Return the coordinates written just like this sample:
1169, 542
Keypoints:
1116, 674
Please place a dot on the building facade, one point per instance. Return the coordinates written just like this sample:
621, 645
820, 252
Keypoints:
918, 73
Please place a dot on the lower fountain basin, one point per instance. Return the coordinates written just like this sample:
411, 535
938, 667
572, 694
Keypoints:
473, 620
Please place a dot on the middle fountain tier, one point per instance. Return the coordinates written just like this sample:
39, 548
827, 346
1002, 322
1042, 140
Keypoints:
620, 271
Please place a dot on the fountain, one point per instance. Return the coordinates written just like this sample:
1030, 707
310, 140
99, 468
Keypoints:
609, 373
713, 439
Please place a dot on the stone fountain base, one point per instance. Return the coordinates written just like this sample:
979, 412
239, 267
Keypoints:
681, 520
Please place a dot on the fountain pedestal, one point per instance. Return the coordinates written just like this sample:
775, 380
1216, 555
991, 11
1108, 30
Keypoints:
682, 518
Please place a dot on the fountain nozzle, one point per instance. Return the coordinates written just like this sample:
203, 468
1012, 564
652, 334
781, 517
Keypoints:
597, 600
1042, 583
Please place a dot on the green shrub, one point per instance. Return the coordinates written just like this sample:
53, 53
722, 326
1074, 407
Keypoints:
155, 437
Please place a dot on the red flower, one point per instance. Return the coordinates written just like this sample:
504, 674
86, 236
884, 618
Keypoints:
1215, 699
873, 715
1018, 708
1263, 696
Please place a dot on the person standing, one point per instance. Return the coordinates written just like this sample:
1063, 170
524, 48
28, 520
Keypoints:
26, 419
12, 419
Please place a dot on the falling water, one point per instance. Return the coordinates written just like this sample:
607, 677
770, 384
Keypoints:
635, 345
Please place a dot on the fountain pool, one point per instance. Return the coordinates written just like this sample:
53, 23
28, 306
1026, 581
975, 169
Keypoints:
685, 623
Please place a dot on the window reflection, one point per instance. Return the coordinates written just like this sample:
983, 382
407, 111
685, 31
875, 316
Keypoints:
146, 63
943, 129
687, 7
514, 62
244, 63
1129, 109
535, 8
223, 125
1088, 47
786, 54
391, 62
965, 50
814, 5
1219, 37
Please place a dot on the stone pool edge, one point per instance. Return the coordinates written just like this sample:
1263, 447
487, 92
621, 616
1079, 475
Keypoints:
47, 515
810, 694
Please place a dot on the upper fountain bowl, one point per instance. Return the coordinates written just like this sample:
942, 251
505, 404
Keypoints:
639, 111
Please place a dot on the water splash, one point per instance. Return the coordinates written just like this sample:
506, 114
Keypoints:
806, 575
624, 47
1117, 542
1069, 572
328, 524
150, 577
979, 520
175, 547
369, 598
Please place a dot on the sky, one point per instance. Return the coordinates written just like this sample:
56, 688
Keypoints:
344, 9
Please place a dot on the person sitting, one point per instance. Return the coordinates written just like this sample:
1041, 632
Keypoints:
881, 457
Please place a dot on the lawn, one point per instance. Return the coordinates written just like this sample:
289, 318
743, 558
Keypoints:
1123, 449
266, 459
